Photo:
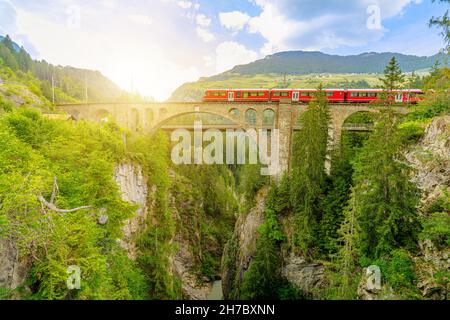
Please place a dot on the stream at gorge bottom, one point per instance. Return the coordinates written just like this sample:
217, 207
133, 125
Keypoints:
216, 291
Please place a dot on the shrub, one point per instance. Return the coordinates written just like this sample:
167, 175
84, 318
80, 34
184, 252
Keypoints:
437, 229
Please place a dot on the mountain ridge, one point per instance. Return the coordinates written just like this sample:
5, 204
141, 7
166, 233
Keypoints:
304, 62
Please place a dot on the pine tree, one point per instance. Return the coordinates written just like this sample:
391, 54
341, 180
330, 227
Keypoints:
348, 252
385, 199
335, 201
308, 170
392, 80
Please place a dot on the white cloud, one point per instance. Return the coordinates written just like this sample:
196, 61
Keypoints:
205, 35
230, 54
140, 18
203, 21
315, 25
111, 4
234, 20
184, 4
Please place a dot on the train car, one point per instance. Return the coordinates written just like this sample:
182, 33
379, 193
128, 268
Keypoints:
216, 95
281, 94
249, 95
335, 95
412, 95
370, 95
363, 95
332, 95
239, 95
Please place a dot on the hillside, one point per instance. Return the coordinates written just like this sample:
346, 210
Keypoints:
306, 70
18, 68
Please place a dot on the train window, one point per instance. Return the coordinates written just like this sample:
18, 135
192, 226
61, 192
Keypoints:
245, 94
363, 94
261, 94
330, 94
285, 94
276, 94
223, 94
353, 94
238, 94
372, 94
306, 94
215, 94
253, 94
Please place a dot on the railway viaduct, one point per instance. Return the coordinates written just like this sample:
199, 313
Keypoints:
283, 115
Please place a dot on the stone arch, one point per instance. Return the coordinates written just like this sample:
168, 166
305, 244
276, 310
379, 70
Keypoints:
162, 112
162, 121
251, 116
102, 115
134, 122
269, 117
340, 115
76, 114
149, 118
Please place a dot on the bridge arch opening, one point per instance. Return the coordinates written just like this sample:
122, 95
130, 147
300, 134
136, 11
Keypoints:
364, 120
251, 116
187, 119
268, 117
235, 112
149, 115
149, 118
134, 119
103, 115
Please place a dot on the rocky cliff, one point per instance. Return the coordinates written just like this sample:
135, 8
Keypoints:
239, 251
431, 159
134, 188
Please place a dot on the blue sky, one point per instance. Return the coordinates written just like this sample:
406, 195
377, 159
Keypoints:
154, 46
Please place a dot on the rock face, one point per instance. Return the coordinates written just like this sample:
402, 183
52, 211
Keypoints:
192, 287
431, 158
308, 277
428, 265
134, 189
13, 270
240, 250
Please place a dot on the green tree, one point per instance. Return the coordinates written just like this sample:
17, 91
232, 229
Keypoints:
384, 200
308, 170
392, 80
444, 24
263, 275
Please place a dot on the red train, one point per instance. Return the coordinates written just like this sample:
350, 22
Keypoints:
305, 95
